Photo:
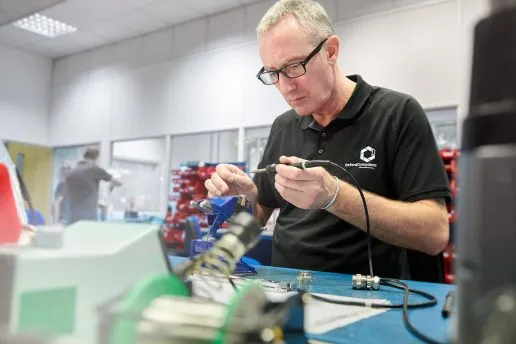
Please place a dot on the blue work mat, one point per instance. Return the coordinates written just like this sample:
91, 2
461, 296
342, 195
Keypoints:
386, 327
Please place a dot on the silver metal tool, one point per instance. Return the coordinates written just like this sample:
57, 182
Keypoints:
365, 282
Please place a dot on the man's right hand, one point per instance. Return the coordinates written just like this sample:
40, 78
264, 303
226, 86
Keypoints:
229, 180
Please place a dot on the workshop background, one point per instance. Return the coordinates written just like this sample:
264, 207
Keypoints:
164, 87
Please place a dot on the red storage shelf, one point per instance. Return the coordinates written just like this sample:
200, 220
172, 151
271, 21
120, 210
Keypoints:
188, 185
450, 159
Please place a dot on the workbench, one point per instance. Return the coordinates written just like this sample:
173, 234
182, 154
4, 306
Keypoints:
386, 327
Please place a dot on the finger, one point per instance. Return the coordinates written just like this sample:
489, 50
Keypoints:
292, 196
223, 170
290, 159
212, 189
227, 171
243, 180
290, 183
211, 194
219, 183
295, 173
237, 170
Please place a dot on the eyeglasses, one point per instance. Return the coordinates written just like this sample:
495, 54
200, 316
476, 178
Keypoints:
291, 71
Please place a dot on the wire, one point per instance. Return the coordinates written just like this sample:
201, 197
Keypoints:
406, 320
232, 283
328, 163
405, 306
432, 301
394, 283
26, 195
366, 212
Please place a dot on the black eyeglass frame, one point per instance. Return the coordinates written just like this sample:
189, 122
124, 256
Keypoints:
282, 69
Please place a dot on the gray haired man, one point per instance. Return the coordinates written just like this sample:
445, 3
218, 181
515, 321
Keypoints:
381, 136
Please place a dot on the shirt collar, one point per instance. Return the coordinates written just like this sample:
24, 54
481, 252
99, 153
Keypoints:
353, 107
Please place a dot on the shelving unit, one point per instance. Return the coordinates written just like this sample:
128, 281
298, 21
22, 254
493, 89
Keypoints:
450, 159
187, 184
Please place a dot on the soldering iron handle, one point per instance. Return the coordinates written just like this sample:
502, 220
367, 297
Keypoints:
301, 165
316, 163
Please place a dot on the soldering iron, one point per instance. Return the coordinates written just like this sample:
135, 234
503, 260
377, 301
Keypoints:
301, 165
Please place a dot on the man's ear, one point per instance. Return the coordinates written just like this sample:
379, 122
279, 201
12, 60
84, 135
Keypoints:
333, 49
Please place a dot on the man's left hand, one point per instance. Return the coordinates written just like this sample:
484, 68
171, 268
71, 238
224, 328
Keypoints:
312, 188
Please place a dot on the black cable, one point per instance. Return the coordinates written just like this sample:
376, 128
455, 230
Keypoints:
432, 301
26, 196
232, 283
406, 320
394, 283
24, 189
328, 163
366, 212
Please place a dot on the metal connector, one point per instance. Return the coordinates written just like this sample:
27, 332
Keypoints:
365, 282
304, 277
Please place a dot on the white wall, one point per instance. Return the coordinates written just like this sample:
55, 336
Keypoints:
25, 87
413, 50
200, 76
147, 150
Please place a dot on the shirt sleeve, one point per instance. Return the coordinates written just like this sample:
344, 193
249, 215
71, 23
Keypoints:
102, 174
418, 170
263, 181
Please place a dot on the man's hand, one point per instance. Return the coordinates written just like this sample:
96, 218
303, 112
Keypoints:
229, 180
312, 188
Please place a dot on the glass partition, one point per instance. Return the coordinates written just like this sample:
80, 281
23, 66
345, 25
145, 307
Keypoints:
444, 126
193, 159
255, 141
219, 146
138, 164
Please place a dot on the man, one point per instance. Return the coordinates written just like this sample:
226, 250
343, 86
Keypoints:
61, 205
382, 137
82, 186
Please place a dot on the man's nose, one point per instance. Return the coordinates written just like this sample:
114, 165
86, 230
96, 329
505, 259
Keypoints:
285, 85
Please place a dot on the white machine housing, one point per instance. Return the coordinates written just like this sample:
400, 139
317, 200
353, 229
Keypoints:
56, 292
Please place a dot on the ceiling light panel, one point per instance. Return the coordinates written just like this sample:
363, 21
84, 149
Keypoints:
44, 26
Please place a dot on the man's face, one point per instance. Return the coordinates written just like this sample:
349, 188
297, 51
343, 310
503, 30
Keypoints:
287, 43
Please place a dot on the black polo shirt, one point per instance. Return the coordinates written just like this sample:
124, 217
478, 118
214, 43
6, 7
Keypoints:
384, 139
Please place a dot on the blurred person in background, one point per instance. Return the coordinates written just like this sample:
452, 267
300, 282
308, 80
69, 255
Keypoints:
82, 186
61, 204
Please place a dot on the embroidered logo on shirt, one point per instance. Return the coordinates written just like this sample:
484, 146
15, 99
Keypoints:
367, 155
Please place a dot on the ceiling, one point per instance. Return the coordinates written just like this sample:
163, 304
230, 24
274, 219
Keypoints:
100, 22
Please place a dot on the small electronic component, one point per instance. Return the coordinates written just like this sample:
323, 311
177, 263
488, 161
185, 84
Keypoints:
267, 285
304, 277
365, 282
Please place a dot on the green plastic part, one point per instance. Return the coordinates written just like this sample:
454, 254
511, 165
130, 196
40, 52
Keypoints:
48, 311
139, 298
232, 309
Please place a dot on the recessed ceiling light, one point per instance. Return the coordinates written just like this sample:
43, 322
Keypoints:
44, 26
